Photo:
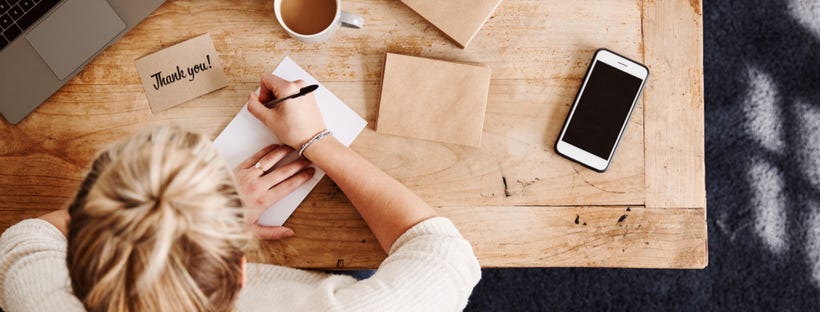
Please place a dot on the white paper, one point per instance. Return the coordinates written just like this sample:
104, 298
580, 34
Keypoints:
245, 135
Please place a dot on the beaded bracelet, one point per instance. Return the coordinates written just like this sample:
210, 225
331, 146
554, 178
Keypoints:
315, 138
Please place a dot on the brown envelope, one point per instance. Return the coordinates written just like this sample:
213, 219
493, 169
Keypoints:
181, 72
433, 100
458, 19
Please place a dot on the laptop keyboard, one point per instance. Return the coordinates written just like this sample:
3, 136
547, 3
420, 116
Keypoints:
18, 15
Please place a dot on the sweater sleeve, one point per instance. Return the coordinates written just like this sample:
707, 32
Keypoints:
431, 267
33, 272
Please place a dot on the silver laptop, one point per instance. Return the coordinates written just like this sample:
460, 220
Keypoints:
44, 43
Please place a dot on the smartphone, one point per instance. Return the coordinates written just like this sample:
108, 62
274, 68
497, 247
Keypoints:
601, 110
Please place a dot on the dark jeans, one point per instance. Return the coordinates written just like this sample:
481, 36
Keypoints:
357, 274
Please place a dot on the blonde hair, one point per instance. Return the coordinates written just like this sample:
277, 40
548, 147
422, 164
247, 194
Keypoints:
157, 225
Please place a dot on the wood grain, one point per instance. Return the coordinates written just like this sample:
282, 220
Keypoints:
673, 47
511, 197
509, 236
525, 39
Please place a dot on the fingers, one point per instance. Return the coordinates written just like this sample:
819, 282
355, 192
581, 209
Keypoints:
287, 186
255, 107
265, 193
271, 232
273, 86
270, 159
267, 157
282, 173
247, 163
269, 87
261, 195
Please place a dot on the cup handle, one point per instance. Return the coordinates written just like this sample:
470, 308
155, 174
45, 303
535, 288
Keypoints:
351, 20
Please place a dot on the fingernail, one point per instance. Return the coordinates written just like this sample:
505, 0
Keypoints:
289, 233
310, 171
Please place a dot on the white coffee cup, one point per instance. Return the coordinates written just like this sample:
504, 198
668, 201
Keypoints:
341, 18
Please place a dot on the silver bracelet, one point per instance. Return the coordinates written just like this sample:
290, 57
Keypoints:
315, 138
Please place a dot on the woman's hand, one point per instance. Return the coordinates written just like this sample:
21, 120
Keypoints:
294, 121
260, 187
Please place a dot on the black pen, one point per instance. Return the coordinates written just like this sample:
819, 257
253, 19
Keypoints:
302, 92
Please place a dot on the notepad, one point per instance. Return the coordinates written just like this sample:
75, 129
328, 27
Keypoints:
245, 135
433, 99
458, 19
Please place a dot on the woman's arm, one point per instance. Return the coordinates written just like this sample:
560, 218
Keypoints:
430, 266
388, 207
33, 273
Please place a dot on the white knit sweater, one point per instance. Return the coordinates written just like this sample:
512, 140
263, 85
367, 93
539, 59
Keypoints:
429, 268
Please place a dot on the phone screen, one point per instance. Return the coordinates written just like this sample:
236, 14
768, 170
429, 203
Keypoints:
602, 110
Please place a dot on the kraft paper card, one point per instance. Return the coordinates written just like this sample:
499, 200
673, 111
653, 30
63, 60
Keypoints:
458, 19
181, 72
245, 135
433, 99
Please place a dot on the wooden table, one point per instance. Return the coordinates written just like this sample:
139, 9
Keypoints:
515, 199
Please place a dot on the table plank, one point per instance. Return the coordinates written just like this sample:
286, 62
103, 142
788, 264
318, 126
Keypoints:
507, 236
673, 47
524, 39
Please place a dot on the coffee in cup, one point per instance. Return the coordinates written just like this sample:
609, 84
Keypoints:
313, 20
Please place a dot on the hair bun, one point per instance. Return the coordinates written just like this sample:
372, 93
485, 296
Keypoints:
163, 207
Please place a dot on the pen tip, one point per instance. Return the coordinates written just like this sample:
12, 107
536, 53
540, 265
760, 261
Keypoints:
309, 88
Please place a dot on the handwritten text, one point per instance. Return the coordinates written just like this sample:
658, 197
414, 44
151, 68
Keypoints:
179, 74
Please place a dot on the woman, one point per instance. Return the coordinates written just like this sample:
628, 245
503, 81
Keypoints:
160, 224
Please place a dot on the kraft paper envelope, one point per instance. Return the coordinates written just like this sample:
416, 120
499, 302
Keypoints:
458, 19
246, 135
433, 100
181, 72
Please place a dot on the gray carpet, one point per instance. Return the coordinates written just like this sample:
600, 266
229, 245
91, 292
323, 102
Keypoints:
762, 111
